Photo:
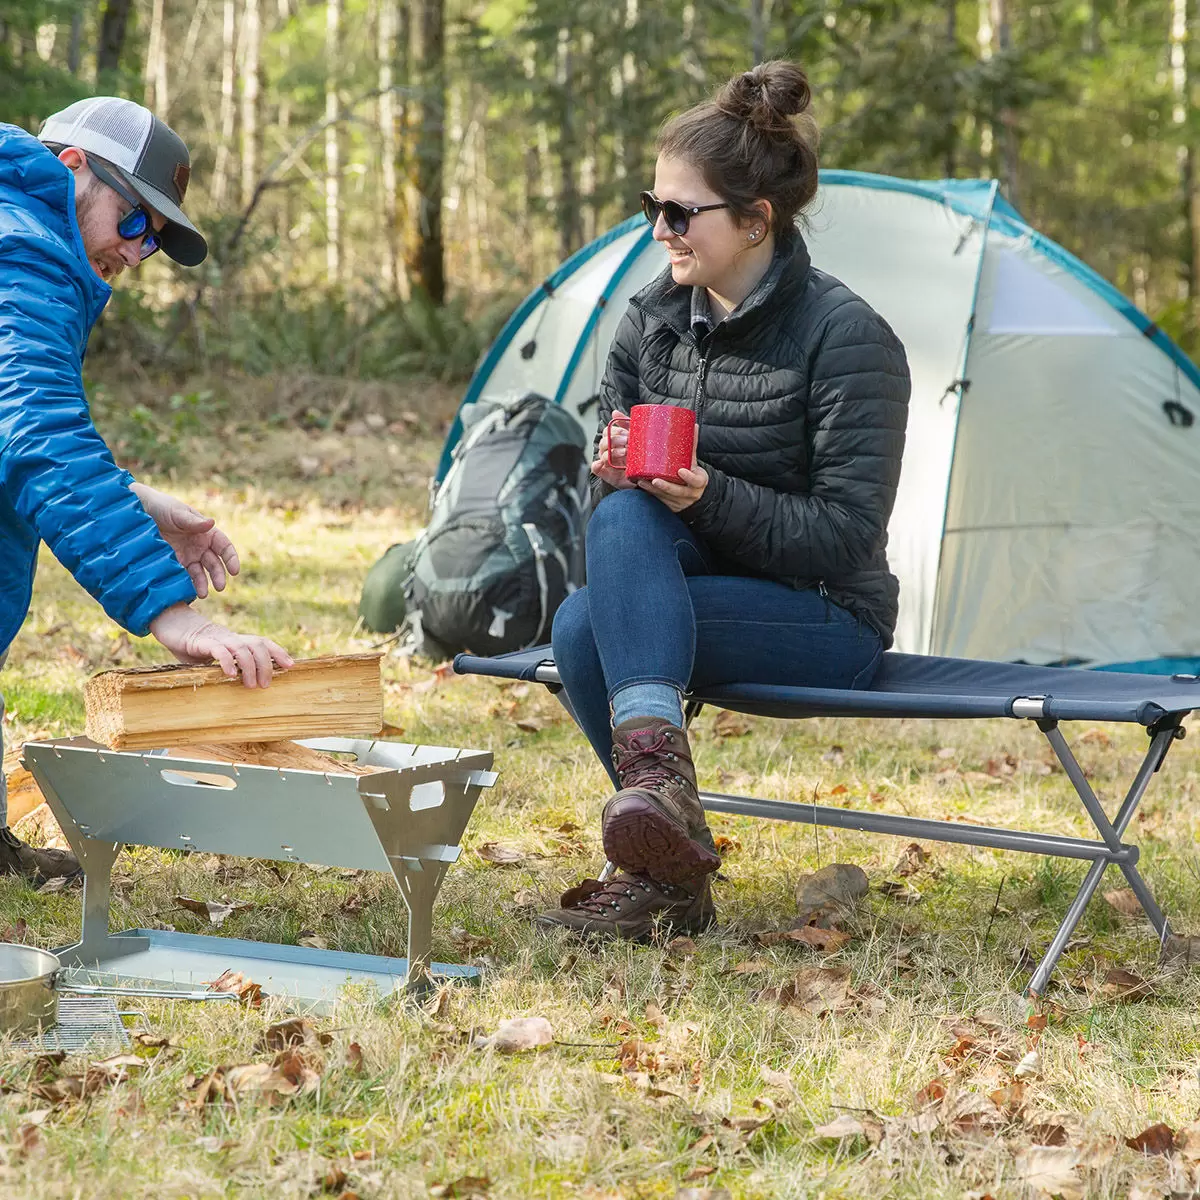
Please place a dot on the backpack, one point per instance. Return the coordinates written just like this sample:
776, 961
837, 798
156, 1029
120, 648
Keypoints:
504, 544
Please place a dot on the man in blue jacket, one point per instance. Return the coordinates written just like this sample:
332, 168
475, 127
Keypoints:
96, 193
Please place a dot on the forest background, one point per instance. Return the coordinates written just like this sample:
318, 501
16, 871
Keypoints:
381, 179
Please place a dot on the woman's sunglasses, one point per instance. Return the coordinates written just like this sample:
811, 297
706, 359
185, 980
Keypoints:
135, 224
677, 216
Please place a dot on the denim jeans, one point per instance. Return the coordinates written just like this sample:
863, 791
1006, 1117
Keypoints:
653, 611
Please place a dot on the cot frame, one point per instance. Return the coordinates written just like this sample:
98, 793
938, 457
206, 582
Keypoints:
1108, 850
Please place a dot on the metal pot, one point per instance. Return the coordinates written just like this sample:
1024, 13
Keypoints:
28, 1001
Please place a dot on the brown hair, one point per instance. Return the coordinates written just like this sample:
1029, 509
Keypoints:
753, 141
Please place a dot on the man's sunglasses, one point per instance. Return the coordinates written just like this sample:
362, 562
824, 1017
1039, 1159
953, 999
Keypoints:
135, 224
677, 216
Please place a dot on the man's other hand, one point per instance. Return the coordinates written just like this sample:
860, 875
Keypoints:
205, 552
194, 639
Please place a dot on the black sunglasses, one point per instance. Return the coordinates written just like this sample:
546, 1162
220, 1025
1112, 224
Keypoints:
135, 224
677, 216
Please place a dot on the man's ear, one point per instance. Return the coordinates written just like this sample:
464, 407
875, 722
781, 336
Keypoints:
72, 158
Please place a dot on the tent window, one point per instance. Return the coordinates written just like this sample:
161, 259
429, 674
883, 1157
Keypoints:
1026, 298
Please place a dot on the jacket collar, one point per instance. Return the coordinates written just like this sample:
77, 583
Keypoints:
675, 304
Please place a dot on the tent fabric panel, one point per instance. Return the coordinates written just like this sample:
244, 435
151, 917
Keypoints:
882, 243
1072, 506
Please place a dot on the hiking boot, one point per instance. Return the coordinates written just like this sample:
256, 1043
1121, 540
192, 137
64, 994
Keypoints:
655, 824
16, 858
632, 907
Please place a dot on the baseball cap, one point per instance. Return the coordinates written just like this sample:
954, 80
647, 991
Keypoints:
147, 151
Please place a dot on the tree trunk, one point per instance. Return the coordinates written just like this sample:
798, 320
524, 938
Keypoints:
569, 228
759, 16
155, 74
252, 39
75, 44
427, 52
333, 146
395, 279
114, 22
1009, 139
220, 186
987, 144
950, 136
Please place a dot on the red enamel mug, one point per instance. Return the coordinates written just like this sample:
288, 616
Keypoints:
661, 439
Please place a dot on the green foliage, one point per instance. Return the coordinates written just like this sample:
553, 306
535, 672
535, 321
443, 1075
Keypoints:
30, 86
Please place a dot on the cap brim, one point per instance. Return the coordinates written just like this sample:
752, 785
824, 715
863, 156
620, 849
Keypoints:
180, 239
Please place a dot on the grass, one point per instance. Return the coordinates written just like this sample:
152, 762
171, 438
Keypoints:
427, 1108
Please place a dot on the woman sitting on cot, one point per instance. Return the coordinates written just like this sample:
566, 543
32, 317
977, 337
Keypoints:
766, 561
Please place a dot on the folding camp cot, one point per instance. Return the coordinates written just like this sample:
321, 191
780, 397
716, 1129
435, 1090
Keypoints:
914, 685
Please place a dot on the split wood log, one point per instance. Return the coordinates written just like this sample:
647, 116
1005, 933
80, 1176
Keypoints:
149, 708
286, 755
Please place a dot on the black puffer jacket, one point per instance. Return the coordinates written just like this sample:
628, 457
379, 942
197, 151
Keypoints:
802, 399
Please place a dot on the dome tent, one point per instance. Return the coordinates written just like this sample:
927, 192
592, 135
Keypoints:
1049, 505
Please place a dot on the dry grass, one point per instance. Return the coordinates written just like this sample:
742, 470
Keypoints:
427, 1108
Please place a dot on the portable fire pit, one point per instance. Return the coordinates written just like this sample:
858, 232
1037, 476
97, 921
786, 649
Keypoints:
405, 818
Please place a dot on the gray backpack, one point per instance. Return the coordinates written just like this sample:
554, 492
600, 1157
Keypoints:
504, 544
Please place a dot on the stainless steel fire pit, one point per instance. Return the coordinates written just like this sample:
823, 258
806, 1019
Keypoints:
406, 819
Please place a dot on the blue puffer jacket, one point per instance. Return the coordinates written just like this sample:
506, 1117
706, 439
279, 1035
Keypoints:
58, 481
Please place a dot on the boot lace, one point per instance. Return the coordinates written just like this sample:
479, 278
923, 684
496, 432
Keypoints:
646, 763
598, 899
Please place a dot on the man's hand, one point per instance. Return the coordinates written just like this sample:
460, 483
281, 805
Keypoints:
194, 639
689, 489
205, 552
610, 459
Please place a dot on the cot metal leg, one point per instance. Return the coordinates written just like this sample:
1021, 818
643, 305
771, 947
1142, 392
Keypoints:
1111, 832
1082, 899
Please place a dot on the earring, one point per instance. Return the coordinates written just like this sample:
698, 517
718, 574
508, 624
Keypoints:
754, 235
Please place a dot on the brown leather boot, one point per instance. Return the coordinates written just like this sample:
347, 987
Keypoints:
16, 858
655, 824
633, 907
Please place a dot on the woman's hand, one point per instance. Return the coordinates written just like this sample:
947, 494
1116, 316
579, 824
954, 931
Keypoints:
610, 462
689, 489
194, 639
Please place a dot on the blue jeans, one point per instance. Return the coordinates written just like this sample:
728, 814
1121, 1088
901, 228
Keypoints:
654, 612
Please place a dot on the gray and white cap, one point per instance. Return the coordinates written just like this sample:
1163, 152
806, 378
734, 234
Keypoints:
149, 154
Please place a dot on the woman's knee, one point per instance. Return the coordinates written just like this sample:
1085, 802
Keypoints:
571, 634
621, 512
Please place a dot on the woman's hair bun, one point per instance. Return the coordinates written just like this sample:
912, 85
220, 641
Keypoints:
767, 97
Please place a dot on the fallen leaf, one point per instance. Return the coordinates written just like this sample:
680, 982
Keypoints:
15, 932
58, 884
681, 947
1155, 1139
1051, 1170
840, 790
750, 966
730, 724
1096, 737
702, 1172
295, 1031
1029, 1066
825, 941
530, 724
217, 912
246, 990
912, 858
841, 1128
1122, 985
655, 1017
900, 890
502, 854
152, 1041
313, 941
1047, 1133
354, 1057
1179, 950
1124, 901
837, 886
517, 1034
691, 1193
818, 990
1009, 1098
468, 1187
931, 1093
778, 1079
